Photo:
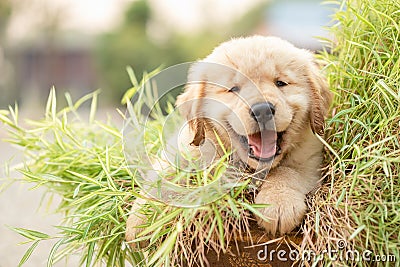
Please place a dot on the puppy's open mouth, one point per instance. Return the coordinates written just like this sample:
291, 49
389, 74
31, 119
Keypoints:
264, 145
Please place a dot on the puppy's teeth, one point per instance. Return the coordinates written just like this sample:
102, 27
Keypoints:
278, 151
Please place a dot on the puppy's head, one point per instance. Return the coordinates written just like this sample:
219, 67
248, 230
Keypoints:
259, 94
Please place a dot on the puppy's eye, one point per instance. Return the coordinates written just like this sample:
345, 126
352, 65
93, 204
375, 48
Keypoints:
234, 89
281, 83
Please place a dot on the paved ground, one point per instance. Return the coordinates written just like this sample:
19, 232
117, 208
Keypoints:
19, 207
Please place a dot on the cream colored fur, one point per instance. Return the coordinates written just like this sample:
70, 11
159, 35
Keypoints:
254, 64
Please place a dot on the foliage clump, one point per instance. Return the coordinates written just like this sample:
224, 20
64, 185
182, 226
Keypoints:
360, 201
85, 163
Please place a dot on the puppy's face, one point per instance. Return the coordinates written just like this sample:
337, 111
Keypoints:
258, 94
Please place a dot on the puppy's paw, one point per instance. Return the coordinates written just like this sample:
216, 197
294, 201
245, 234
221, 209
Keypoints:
135, 220
286, 211
133, 226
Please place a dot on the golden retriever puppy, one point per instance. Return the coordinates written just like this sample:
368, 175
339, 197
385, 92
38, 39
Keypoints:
266, 100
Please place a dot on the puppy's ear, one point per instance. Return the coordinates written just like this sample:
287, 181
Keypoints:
321, 98
189, 105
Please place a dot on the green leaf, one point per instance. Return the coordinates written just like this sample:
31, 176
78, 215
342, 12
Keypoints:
253, 208
164, 250
90, 253
356, 232
30, 234
161, 221
53, 250
93, 107
28, 253
220, 225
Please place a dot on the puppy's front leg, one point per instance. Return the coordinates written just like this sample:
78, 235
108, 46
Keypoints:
135, 220
284, 189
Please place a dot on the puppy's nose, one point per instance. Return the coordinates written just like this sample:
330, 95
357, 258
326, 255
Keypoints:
262, 112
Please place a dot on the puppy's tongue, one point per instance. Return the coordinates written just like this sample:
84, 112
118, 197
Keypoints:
263, 143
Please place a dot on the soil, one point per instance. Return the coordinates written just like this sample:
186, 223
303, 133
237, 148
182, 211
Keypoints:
261, 251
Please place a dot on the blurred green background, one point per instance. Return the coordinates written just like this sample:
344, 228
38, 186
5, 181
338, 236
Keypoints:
81, 46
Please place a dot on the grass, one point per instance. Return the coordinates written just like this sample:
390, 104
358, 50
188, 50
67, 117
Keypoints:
359, 202
357, 206
76, 160
84, 163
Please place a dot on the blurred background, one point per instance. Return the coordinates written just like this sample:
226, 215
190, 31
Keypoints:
79, 46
